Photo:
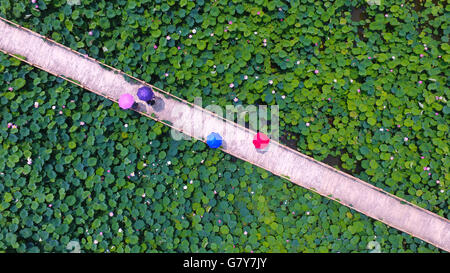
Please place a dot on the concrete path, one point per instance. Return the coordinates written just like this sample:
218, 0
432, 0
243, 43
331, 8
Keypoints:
198, 123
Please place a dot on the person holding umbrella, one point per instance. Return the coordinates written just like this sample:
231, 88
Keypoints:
126, 101
146, 94
261, 142
214, 140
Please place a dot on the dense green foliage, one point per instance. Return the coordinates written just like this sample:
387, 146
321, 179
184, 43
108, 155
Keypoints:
380, 123
90, 159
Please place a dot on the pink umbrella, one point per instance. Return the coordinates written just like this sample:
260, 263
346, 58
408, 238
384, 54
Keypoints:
261, 141
126, 101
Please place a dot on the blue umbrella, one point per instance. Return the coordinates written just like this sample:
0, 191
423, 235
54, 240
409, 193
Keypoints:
214, 140
145, 93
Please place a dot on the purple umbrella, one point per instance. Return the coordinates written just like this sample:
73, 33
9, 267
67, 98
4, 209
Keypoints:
126, 101
145, 93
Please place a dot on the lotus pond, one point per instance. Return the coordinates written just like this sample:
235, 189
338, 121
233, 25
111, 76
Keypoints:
360, 86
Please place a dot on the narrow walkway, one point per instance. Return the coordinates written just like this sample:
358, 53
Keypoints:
198, 123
